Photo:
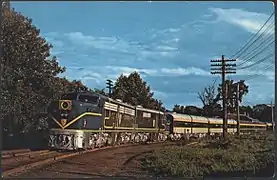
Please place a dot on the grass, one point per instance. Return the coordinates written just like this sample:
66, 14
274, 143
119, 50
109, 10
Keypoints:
246, 153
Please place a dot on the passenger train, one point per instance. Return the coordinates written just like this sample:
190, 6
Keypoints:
82, 120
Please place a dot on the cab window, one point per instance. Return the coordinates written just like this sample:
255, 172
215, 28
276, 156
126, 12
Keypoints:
89, 99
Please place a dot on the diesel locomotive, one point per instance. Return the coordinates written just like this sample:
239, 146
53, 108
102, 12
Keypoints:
82, 120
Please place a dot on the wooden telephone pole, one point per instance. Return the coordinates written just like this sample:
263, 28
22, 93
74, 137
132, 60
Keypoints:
272, 117
238, 113
109, 86
224, 68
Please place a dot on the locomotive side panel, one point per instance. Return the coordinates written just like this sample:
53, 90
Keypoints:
126, 117
145, 119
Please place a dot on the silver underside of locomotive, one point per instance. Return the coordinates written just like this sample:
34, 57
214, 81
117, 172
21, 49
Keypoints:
79, 139
66, 140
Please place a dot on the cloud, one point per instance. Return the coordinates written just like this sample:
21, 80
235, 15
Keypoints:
173, 59
249, 21
119, 45
185, 71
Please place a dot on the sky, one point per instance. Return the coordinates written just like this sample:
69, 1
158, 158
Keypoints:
169, 43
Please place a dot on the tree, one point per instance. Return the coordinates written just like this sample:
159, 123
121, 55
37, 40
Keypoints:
179, 109
209, 98
246, 109
232, 93
193, 110
262, 112
208, 94
133, 90
28, 72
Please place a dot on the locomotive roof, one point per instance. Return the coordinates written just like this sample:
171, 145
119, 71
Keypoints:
81, 93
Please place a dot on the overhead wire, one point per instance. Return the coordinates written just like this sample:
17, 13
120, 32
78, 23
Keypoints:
258, 50
247, 57
250, 77
259, 61
247, 44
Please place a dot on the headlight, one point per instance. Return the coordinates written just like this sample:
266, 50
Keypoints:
65, 105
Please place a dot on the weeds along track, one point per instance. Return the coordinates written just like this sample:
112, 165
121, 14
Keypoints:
16, 165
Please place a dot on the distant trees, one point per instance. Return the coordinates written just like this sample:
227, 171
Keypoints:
262, 112
192, 110
210, 97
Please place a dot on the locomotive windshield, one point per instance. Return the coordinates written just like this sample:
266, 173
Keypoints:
89, 99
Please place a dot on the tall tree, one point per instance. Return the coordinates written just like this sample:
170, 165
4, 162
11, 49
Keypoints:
28, 71
134, 90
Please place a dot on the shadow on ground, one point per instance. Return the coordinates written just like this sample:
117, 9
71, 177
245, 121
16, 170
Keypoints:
30, 140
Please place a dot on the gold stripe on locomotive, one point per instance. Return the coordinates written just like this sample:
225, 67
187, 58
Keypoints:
65, 105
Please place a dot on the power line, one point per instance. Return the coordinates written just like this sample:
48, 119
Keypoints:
253, 36
255, 50
258, 62
246, 55
259, 74
255, 55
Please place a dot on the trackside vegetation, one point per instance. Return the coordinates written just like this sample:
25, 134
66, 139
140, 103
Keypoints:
246, 155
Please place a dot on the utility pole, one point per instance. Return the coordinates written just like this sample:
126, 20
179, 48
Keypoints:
238, 113
224, 68
272, 117
109, 86
6, 3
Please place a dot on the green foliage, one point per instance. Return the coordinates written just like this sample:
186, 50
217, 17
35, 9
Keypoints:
232, 93
28, 79
246, 153
263, 112
192, 110
133, 90
28, 71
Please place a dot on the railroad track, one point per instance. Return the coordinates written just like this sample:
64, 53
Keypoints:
16, 153
5, 152
20, 164
119, 162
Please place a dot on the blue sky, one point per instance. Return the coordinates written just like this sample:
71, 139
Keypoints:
169, 43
